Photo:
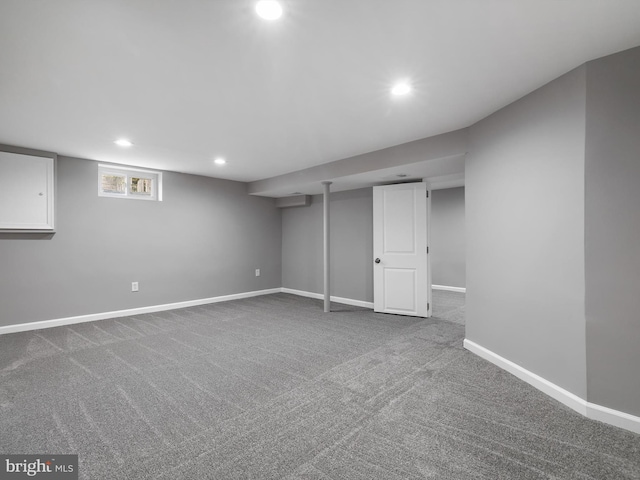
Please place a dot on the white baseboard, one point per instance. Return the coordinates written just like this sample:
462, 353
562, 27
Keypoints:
563, 396
613, 417
23, 327
589, 410
450, 289
58, 322
320, 296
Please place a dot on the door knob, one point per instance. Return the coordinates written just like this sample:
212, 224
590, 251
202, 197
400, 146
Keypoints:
377, 260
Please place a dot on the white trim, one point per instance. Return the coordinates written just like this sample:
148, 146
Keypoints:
154, 175
320, 296
23, 327
613, 417
589, 410
563, 396
117, 166
450, 289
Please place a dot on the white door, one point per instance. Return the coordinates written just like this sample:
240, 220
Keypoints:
401, 280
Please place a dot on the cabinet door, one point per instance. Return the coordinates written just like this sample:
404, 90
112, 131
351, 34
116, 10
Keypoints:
26, 192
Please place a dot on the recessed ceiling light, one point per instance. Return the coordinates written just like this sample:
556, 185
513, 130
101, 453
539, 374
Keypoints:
220, 161
401, 88
123, 142
269, 9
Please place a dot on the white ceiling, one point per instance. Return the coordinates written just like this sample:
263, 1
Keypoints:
190, 80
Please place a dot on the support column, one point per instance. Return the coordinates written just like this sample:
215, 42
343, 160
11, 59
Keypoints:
327, 257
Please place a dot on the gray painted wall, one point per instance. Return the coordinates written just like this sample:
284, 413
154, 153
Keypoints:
351, 245
524, 182
448, 243
438, 151
613, 231
204, 240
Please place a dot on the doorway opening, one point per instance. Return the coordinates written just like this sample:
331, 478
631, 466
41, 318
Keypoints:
447, 250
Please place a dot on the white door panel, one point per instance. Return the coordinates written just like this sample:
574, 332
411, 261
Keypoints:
399, 227
26, 192
401, 280
400, 300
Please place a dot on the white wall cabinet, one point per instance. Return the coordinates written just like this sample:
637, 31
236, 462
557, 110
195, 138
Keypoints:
26, 192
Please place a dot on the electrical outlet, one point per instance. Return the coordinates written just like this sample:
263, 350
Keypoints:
257, 272
134, 286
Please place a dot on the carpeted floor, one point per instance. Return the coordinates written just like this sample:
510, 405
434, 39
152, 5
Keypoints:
272, 388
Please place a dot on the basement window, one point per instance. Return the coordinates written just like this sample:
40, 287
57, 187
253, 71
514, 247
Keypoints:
123, 182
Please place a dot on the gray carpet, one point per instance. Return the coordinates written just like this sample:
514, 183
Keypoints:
272, 388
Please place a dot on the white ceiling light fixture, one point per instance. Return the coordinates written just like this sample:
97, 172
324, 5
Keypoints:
219, 161
123, 142
400, 89
269, 9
